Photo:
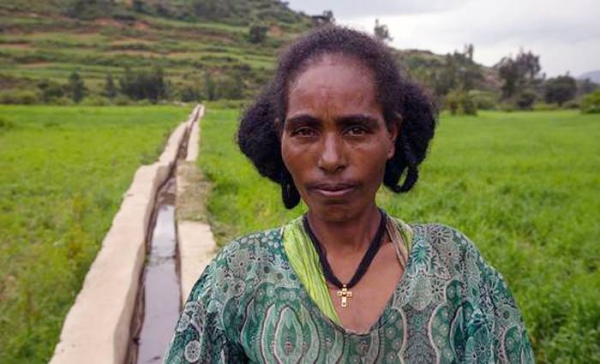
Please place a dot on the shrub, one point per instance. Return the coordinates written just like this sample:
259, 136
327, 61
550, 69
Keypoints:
257, 33
142, 84
542, 106
225, 104
460, 102
189, 93
122, 100
525, 100
51, 90
22, 97
507, 107
95, 101
61, 101
591, 103
560, 89
484, 100
77, 87
230, 87
572, 105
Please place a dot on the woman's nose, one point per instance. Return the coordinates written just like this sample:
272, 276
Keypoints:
332, 157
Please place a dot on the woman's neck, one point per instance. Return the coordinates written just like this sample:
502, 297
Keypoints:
349, 236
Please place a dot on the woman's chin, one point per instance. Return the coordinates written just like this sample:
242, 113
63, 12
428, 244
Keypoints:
337, 212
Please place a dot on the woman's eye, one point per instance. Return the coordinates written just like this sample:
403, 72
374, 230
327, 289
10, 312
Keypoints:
304, 131
356, 130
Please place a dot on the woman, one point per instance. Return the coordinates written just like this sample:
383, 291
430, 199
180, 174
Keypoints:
346, 282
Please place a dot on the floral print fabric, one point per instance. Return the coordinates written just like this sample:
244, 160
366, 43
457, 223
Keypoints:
449, 307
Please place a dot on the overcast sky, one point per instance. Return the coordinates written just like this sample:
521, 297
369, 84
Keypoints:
566, 34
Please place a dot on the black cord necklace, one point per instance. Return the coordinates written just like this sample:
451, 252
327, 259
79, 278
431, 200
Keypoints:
344, 293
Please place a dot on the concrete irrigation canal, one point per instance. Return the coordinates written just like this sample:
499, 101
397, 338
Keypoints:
146, 267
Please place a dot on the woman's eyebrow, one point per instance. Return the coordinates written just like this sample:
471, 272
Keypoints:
302, 120
344, 120
363, 119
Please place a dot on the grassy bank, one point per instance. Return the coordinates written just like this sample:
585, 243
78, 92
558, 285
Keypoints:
522, 186
64, 172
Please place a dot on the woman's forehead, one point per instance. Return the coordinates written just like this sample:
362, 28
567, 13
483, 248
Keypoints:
331, 73
332, 87
332, 59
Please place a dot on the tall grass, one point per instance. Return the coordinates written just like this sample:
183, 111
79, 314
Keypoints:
522, 186
64, 172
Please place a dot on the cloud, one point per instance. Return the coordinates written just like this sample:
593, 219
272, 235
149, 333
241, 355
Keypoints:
564, 34
349, 9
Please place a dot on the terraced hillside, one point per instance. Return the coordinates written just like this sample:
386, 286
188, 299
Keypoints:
207, 49
49, 40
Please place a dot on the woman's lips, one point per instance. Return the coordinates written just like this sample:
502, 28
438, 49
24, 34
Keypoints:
333, 190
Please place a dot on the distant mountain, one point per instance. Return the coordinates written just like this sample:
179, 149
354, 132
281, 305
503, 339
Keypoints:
594, 76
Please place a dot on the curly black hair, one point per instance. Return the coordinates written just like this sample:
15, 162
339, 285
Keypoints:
257, 135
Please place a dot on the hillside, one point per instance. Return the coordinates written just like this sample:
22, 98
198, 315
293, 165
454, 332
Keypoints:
43, 42
204, 47
594, 76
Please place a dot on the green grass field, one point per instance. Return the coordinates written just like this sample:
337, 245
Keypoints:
64, 172
522, 186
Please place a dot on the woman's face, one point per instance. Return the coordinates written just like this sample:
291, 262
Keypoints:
334, 141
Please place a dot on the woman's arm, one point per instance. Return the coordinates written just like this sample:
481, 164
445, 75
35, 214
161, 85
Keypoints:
199, 334
494, 327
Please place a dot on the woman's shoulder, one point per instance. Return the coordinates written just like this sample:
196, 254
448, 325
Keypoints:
240, 260
257, 240
246, 252
439, 235
446, 248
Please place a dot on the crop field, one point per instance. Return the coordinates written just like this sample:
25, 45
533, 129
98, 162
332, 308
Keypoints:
64, 172
51, 48
522, 186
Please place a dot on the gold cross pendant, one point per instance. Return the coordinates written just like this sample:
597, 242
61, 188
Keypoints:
344, 294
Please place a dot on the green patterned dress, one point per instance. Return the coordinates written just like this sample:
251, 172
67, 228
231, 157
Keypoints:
449, 307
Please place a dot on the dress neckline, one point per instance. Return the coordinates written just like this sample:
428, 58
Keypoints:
405, 232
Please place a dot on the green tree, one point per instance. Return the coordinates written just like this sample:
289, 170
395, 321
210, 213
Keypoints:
382, 32
519, 73
110, 90
591, 103
212, 9
209, 87
460, 102
328, 17
138, 6
230, 87
162, 8
459, 72
50, 90
144, 85
324, 19
154, 85
77, 87
257, 33
189, 93
128, 84
525, 99
90, 9
560, 89
586, 86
